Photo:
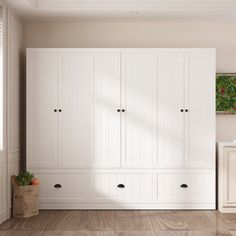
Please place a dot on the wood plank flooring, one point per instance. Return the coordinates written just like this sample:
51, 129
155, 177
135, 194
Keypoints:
122, 223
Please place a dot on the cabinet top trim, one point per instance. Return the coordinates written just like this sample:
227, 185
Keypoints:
122, 50
227, 144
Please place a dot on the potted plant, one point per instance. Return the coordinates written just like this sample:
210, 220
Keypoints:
25, 195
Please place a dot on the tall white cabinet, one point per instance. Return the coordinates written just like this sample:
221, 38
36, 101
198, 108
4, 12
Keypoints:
122, 128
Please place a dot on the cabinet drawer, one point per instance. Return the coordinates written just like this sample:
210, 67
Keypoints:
63, 188
122, 187
186, 188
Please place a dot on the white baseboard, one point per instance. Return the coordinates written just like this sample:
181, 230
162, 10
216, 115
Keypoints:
208, 206
227, 209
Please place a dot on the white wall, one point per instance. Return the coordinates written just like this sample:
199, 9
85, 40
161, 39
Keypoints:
15, 100
221, 36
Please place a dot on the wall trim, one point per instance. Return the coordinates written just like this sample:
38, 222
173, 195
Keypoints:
14, 154
3, 215
13, 151
13, 163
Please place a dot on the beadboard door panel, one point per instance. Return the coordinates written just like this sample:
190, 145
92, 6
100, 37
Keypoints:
200, 117
139, 99
76, 102
57, 188
170, 99
107, 119
42, 82
185, 188
119, 187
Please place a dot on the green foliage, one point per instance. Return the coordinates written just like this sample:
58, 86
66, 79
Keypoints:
226, 93
24, 178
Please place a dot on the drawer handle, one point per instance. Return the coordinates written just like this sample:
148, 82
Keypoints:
120, 186
183, 185
57, 186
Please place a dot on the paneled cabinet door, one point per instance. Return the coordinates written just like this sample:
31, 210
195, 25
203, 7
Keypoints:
200, 113
227, 177
42, 77
107, 104
76, 105
170, 98
139, 96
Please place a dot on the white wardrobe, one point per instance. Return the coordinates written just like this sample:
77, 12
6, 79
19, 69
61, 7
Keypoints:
122, 128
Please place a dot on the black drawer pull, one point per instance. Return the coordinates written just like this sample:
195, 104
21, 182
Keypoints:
183, 185
57, 186
118, 110
120, 186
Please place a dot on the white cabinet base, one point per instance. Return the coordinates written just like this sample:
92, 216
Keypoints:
143, 189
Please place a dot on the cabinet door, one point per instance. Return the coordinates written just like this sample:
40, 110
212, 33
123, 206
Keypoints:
42, 79
227, 176
170, 99
107, 119
76, 101
200, 117
139, 96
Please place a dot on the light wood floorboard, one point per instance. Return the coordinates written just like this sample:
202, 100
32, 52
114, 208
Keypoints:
123, 223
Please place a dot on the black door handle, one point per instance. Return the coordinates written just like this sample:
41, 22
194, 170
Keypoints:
183, 185
121, 186
57, 186
123, 110
55, 110
118, 110
186, 110
59, 110
182, 110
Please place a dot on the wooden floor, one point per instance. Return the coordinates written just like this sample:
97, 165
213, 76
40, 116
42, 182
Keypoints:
122, 223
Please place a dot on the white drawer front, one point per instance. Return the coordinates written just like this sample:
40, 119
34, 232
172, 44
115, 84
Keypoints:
122, 187
186, 188
63, 188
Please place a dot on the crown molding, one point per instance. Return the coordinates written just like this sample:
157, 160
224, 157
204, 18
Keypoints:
145, 5
182, 10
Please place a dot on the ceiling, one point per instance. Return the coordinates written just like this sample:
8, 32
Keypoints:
166, 10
